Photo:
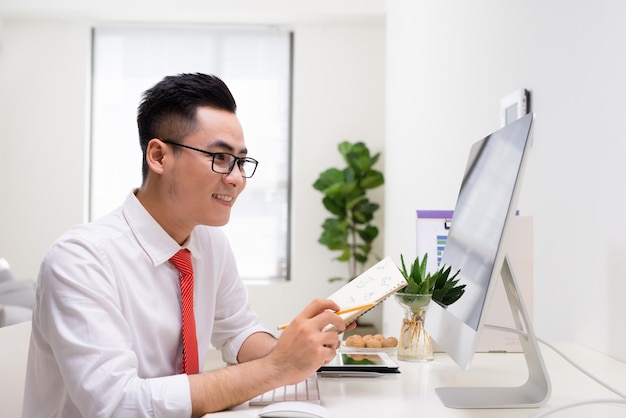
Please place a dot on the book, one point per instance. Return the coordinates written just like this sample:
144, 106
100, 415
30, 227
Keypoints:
369, 289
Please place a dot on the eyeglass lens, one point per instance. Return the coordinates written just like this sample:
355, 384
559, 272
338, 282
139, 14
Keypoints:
224, 163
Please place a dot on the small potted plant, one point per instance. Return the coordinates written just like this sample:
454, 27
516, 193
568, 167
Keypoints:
414, 342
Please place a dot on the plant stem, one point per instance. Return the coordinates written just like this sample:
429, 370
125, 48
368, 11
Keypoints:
352, 265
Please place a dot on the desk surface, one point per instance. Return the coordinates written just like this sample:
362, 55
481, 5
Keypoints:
411, 393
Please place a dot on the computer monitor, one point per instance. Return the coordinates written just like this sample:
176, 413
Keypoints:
486, 203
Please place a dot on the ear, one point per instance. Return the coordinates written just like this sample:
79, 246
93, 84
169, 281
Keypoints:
155, 155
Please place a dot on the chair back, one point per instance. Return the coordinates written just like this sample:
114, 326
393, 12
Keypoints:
14, 342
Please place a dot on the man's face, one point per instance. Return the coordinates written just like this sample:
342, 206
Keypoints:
202, 196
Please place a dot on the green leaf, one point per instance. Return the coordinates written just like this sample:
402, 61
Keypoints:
360, 257
335, 190
347, 253
328, 178
403, 269
334, 206
334, 234
372, 179
363, 211
423, 265
352, 203
369, 233
344, 148
375, 158
350, 177
356, 155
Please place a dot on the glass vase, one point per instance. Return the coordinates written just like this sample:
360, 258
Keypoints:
414, 343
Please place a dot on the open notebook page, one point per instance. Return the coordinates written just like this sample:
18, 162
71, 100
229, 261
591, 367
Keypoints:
372, 286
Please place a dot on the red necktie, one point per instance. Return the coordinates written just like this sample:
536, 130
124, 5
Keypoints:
182, 261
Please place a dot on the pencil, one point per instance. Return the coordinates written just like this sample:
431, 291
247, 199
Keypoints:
342, 311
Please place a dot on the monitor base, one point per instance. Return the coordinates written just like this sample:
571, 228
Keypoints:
532, 394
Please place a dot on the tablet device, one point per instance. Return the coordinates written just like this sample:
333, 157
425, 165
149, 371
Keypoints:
359, 364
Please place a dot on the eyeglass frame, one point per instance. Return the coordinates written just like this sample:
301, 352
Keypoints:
213, 154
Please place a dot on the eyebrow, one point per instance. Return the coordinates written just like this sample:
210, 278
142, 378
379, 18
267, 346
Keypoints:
222, 144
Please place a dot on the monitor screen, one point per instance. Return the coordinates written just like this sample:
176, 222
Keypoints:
485, 203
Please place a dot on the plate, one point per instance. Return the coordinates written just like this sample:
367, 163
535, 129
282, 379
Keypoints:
350, 349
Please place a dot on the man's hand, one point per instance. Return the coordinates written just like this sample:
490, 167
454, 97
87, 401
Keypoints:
303, 347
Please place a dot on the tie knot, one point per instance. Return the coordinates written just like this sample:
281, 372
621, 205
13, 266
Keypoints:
182, 261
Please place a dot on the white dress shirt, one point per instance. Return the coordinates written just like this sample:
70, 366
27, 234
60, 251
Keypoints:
106, 331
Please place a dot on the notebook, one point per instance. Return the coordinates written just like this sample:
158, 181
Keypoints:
371, 287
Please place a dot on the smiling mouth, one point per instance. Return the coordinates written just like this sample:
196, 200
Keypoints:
223, 197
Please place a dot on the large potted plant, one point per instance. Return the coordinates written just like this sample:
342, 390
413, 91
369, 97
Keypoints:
441, 287
349, 230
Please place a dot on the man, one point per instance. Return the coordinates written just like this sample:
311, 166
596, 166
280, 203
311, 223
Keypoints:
106, 337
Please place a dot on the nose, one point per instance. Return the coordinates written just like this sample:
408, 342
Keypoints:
235, 177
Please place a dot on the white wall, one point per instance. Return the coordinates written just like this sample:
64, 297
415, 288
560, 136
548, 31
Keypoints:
44, 79
338, 94
449, 64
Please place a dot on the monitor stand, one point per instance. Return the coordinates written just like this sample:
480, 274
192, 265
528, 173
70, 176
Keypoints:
531, 394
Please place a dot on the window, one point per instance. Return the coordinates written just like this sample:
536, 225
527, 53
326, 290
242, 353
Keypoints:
255, 62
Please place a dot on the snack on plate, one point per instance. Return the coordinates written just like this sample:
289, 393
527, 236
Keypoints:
371, 341
355, 341
390, 342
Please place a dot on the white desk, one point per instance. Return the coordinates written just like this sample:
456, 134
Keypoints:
411, 393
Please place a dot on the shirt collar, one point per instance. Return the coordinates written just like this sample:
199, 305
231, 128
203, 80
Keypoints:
154, 240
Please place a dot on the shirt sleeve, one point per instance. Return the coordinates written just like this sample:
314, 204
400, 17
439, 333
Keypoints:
234, 320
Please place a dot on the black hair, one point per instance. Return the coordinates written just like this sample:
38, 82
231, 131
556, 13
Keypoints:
168, 110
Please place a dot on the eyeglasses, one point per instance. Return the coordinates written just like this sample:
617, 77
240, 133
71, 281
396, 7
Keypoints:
224, 162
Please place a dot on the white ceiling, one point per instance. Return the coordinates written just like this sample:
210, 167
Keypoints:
242, 11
